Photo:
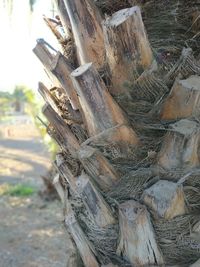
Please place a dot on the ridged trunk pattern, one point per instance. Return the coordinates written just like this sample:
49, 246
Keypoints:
125, 111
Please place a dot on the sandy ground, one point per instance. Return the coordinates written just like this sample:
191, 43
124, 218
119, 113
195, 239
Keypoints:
31, 232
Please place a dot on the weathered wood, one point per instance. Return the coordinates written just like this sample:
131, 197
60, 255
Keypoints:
127, 46
48, 97
53, 26
183, 100
91, 197
100, 110
64, 17
61, 28
137, 238
120, 134
94, 201
180, 147
57, 64
71, 115
165, 199
86, 26
59, 188
67, 140
98, 167
66, 173
72, 255
85, 248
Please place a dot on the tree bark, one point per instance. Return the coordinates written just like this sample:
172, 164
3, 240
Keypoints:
104, 173
180, 148
86, 25
48, 97
85, 248
120, 134
59, 188
100, 110
57, 64
127, 46
94, 202
67, 140
64, 17
137, 238
183, 100
98, 167
165, 199
65, 172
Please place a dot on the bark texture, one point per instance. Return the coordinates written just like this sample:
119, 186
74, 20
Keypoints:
128, 165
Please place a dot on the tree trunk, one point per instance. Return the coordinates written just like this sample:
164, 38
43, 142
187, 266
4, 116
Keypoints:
129, 166
127, 46
86, 26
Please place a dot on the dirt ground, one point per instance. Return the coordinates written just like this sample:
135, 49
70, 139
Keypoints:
31, 232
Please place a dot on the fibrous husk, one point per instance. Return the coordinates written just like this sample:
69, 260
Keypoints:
168, 30
185, 66
175, 241
131, 186
111, 6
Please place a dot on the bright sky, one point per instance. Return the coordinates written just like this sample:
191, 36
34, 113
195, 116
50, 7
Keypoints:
18, 34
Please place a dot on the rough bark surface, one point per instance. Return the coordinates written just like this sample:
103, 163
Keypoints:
127, 46
100, 110
129, 160
137, 237
86, 25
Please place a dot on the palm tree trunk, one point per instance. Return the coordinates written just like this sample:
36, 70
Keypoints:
128, 170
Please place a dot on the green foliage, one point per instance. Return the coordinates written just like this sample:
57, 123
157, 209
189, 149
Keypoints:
20, 190
5, 107
19, 93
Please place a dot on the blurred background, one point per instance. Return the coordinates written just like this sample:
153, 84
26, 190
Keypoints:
30, 213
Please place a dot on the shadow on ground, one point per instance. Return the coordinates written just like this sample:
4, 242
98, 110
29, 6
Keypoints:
31, 233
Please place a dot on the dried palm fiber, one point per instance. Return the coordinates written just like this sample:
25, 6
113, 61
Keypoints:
124, 162
175, 239
151, 137
103, 239
191, 188
73, 164
142, 156
72, 117
79, 132
166, 26
132, 185
61, 99
147, 87
111, 6
172, 175
184, 67
66, 40
134, 108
